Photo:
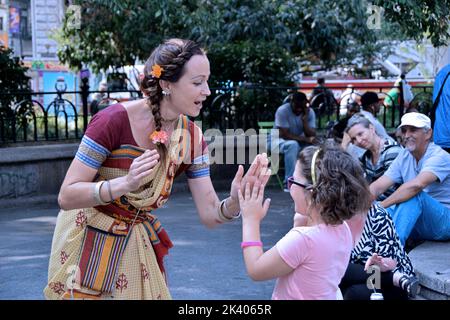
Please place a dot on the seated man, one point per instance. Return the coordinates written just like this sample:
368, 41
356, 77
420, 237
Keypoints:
296, 122
420, 207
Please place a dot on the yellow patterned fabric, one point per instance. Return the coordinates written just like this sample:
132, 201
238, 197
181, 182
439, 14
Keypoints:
140, 272
139, 276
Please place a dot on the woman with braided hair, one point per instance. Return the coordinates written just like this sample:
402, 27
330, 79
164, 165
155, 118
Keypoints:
108, 242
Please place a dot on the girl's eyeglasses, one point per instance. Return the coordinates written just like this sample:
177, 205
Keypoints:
291, 181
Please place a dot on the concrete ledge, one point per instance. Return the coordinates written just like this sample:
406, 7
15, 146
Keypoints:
47, 199
16, 155
431, 261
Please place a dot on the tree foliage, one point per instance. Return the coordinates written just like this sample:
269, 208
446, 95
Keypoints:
13, 78
419, 18
257, 41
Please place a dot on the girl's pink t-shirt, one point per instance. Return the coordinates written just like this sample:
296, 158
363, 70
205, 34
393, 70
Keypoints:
319, 256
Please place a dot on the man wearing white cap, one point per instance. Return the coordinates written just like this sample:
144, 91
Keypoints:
420, 207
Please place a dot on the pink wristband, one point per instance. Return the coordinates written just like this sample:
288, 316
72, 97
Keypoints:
246, 244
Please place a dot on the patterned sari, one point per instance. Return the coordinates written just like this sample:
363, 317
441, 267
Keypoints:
99, 252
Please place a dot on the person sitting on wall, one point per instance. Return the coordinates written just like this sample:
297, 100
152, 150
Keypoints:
370, 105
379, 154
420, 207
296, 123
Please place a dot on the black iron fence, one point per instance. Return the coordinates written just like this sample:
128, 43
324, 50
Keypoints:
66, 116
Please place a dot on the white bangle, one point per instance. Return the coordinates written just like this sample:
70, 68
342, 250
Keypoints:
222, 216
109, 191
239, 212
97, 197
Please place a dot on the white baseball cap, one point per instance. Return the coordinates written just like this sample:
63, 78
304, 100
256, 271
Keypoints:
415, 119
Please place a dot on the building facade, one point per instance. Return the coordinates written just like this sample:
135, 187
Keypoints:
28, 27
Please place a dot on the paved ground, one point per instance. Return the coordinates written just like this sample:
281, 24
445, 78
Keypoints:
204, 264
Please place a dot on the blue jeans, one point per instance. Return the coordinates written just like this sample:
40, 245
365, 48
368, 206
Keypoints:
422, 218
290, 149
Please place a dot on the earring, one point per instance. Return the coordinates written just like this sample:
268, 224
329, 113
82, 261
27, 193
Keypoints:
166, 93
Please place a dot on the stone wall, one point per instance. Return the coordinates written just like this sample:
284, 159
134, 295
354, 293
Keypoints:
35, 173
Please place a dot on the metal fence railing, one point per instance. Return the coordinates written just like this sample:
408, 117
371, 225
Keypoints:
65, 116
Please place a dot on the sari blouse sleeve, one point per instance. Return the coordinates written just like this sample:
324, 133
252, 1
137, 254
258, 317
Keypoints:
197, 165
100, 138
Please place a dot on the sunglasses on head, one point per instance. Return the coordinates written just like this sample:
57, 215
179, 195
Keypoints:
292, 181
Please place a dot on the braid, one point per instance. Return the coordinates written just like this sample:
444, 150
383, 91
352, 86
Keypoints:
171, 56
156, 111
150, 86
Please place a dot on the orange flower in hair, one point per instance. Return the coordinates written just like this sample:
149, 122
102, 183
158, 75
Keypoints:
158, 137
156, 71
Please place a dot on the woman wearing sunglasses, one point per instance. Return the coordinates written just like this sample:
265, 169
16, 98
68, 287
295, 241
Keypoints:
328, 188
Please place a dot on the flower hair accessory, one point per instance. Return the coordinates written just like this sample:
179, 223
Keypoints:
158, 137
156, 71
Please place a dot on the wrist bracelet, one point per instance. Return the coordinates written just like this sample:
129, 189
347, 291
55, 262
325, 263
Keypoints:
245, 244
222, 216
109, 190
97, 197
225, 205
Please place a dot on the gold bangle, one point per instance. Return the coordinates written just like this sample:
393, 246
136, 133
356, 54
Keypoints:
233, 217
97, 197
109, 190
222, 216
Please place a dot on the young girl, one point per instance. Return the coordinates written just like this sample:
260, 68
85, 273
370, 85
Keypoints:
328, 187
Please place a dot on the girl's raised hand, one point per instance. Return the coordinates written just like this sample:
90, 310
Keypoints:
251, 202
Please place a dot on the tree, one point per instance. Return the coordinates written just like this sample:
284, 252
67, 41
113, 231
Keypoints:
419, 19
13, 78
257, 41
117, 33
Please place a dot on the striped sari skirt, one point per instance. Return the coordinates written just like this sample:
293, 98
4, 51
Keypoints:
93, 258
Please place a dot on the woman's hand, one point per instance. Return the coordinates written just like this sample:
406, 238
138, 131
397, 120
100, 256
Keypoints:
346, 140
141, 167
385, 264
258, 172
251, 202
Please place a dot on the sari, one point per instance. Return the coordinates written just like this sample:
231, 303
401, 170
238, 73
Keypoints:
116, 251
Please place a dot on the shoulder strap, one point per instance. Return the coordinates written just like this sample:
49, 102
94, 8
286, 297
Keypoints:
436, 102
